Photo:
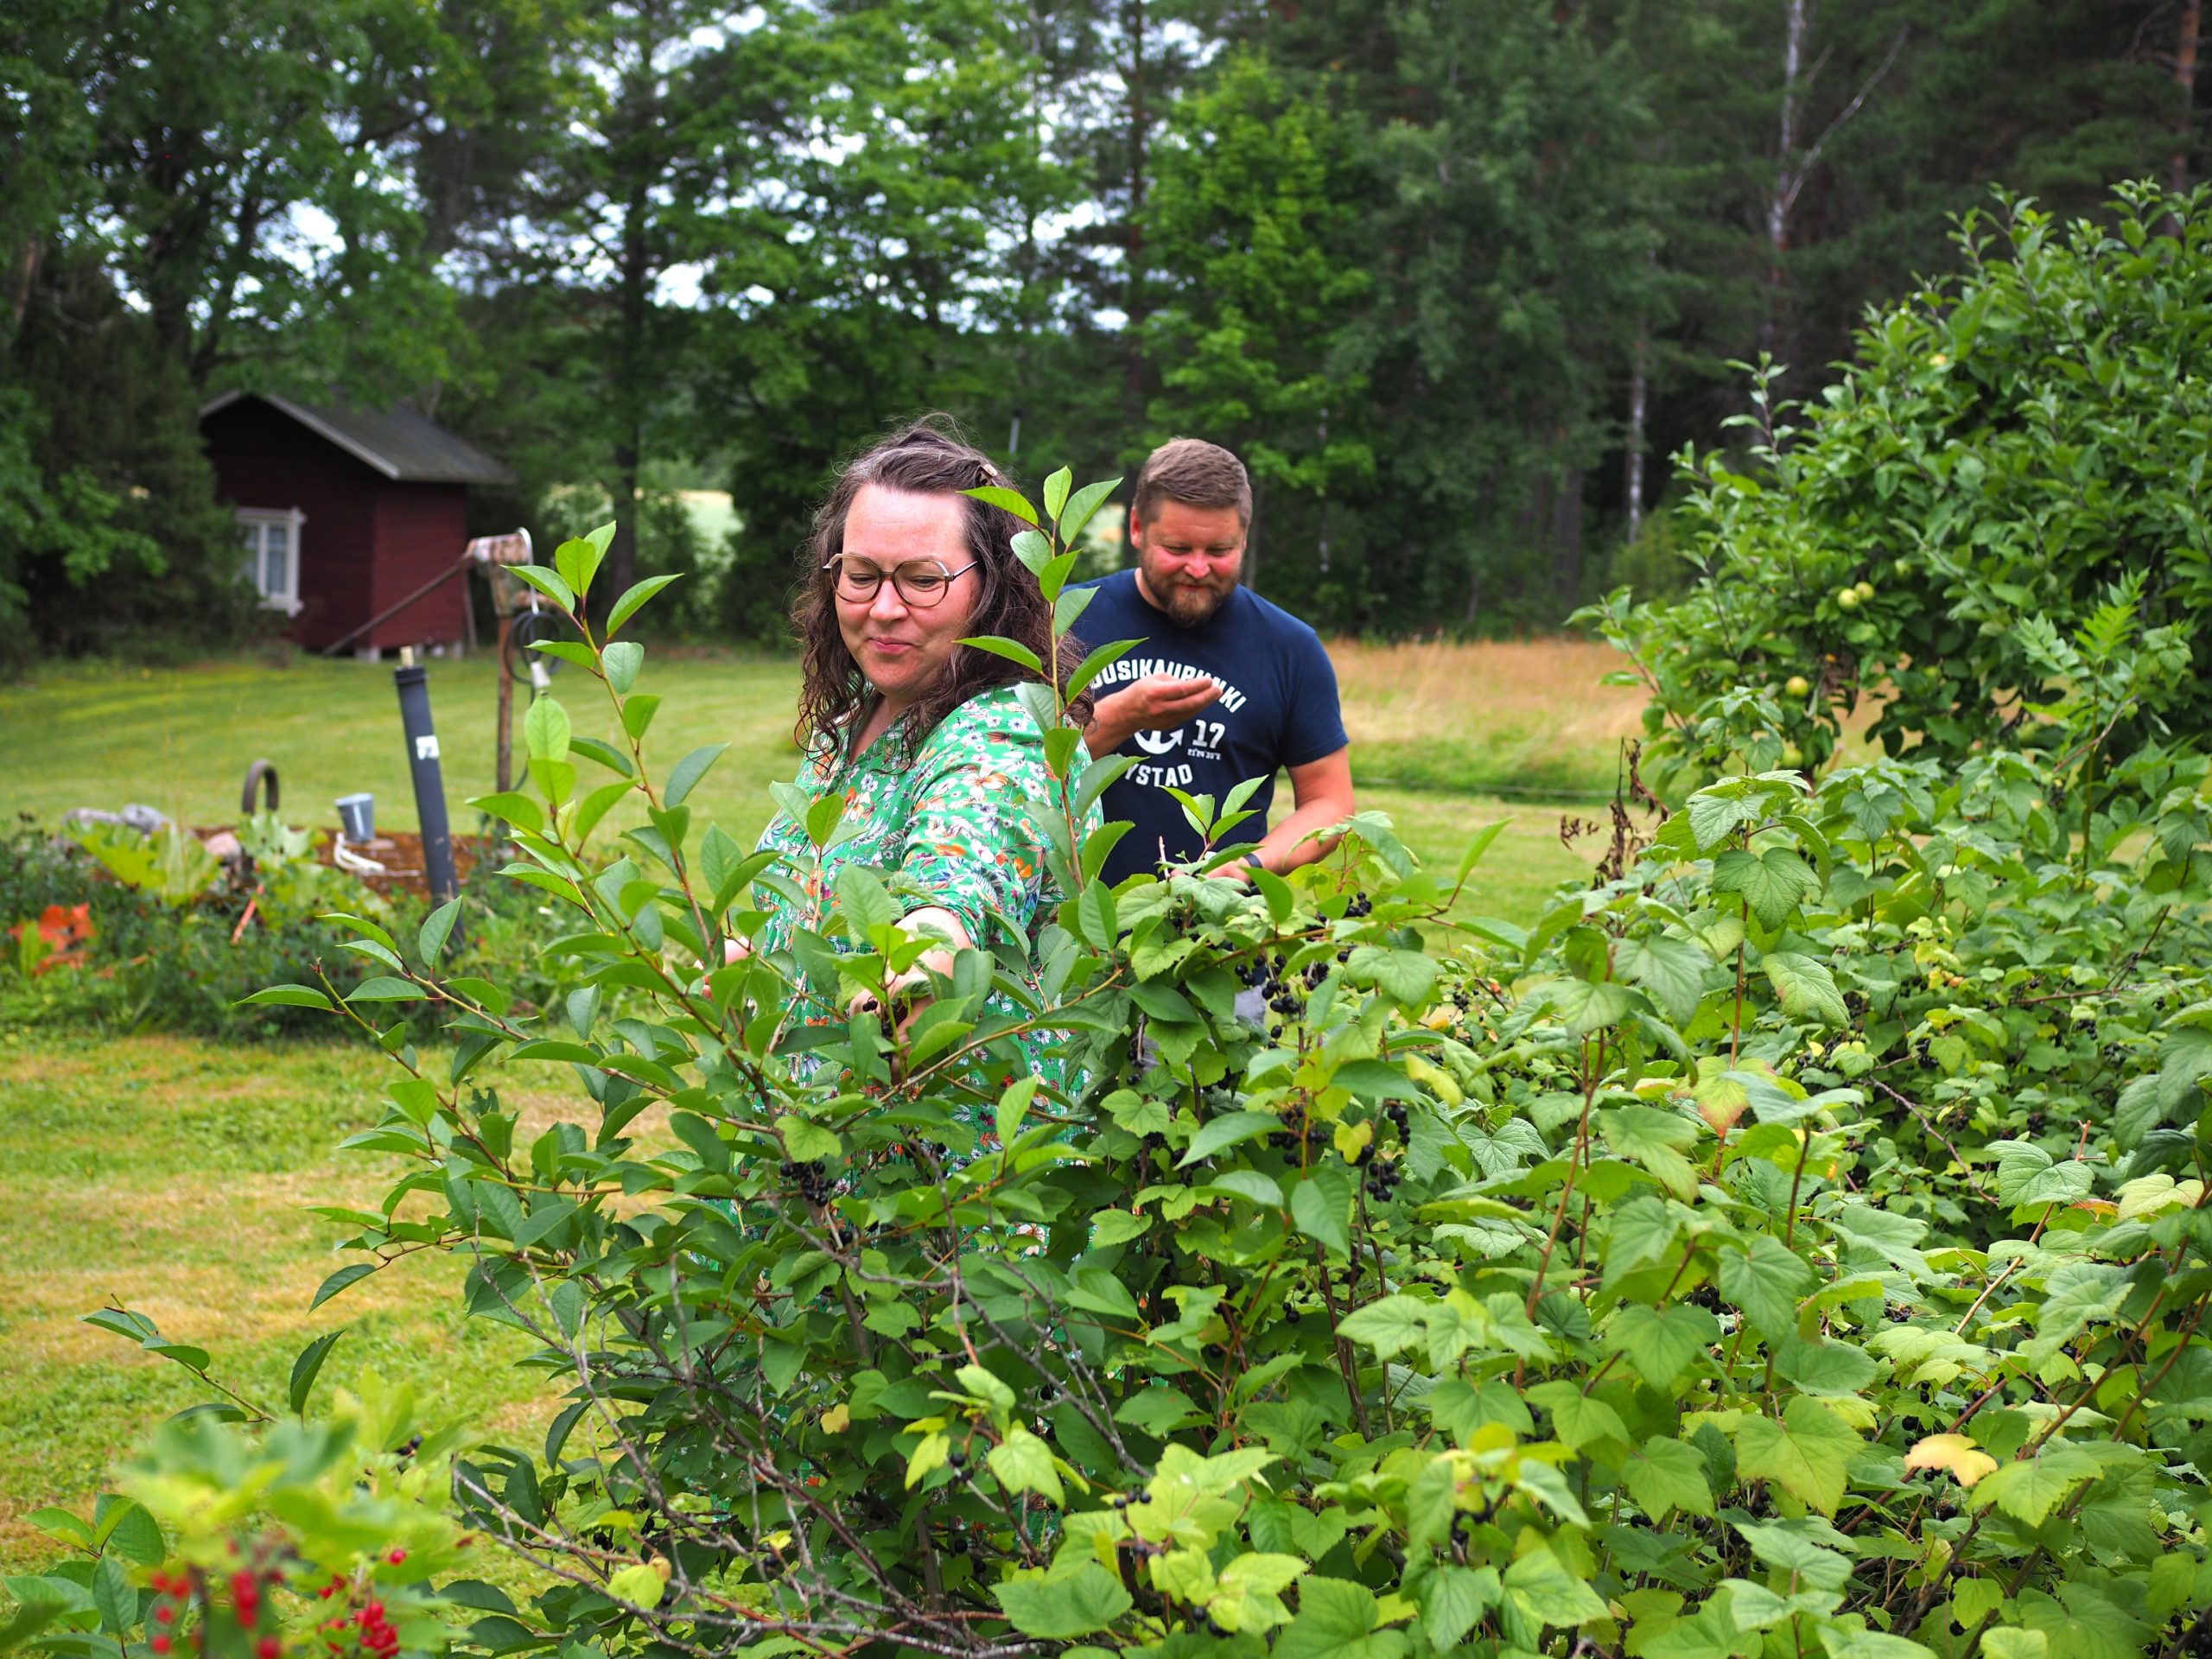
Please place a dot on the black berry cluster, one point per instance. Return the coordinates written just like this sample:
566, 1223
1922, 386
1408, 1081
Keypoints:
1296, 1134
813, 1180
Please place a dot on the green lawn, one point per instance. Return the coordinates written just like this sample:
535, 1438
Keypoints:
171, 1175
181, 739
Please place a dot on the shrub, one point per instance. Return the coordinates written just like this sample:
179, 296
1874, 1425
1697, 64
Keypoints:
2012, 447
297, 1537
121, 931
1796, 1242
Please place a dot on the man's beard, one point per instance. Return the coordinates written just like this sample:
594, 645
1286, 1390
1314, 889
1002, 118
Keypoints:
1191, 604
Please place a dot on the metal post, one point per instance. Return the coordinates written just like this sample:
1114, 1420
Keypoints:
429, 779
503, 772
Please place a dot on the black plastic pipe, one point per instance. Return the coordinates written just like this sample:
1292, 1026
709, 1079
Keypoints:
413, 682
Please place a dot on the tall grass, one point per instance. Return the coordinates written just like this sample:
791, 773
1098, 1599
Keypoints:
1526, 719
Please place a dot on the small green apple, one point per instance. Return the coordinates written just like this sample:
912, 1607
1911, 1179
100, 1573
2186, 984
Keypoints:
1792, 756
1846, 599
1797, 686
1865, 589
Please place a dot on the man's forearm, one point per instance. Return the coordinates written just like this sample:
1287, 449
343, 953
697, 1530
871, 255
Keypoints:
1284, 848
1107, 731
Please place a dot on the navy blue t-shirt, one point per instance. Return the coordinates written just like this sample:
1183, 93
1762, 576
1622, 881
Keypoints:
1277, 708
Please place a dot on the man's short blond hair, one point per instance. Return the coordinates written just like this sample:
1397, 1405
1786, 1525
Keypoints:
1195, 473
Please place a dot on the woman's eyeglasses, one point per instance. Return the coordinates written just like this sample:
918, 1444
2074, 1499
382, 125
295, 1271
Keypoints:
920, 583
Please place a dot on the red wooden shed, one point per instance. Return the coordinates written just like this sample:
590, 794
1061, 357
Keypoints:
344, 511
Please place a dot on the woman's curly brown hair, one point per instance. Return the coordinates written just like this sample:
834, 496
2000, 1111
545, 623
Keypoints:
927, 458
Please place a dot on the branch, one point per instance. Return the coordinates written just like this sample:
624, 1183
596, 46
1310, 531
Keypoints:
1794, 178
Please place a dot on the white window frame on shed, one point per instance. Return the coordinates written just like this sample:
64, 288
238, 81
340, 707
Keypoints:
259, 521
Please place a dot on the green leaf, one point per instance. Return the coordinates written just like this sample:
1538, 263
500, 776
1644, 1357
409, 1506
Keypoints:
1844, 1642
2030, 1488
1832, 1368
1068, 609
1052, 580
1024, 1464
1138, 1114
1082, 505
1662, 1343
1110, 1227
1785, 1544
512, 808
33, 1614
1061, 1608
1666, 1475
339, 1280
1034, 548
1673, 970
1088, 670
1012, 500
289, 996
306, 1367
1576, 1418
128, 1530
568, 651
436, 928
1226, 1131
1546, 1592
805, 1141
1321, 1205
578, 558
1714, 813
688, 771
1013, 1106
1654, 1139
1012, 649
1336, 1620
638, 1584
622, 660
1100, 1292
1584, 1006
1055, 492
1452, 1599
862, 899
59, 1523
1767, 1282
1772, 883
546, 581
385, 987
1389, 1325
1806, 987
545, 729
595, 806
1249, 1597
634, 601
116, 1602
1808, 1453
1482, 840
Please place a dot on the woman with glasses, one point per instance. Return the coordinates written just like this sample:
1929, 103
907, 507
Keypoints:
941, 767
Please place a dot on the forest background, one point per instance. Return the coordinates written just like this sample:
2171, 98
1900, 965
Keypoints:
1450, 274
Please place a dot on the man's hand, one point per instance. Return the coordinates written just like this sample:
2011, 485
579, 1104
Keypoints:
1151, 704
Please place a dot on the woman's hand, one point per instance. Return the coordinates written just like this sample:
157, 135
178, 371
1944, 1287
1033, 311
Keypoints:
934, 919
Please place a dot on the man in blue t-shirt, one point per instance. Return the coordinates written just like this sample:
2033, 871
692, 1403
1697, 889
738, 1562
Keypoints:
1224, 686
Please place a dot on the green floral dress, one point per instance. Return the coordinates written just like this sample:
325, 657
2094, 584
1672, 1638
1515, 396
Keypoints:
958, 826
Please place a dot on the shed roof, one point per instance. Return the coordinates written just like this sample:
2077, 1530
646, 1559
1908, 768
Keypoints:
403, 444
